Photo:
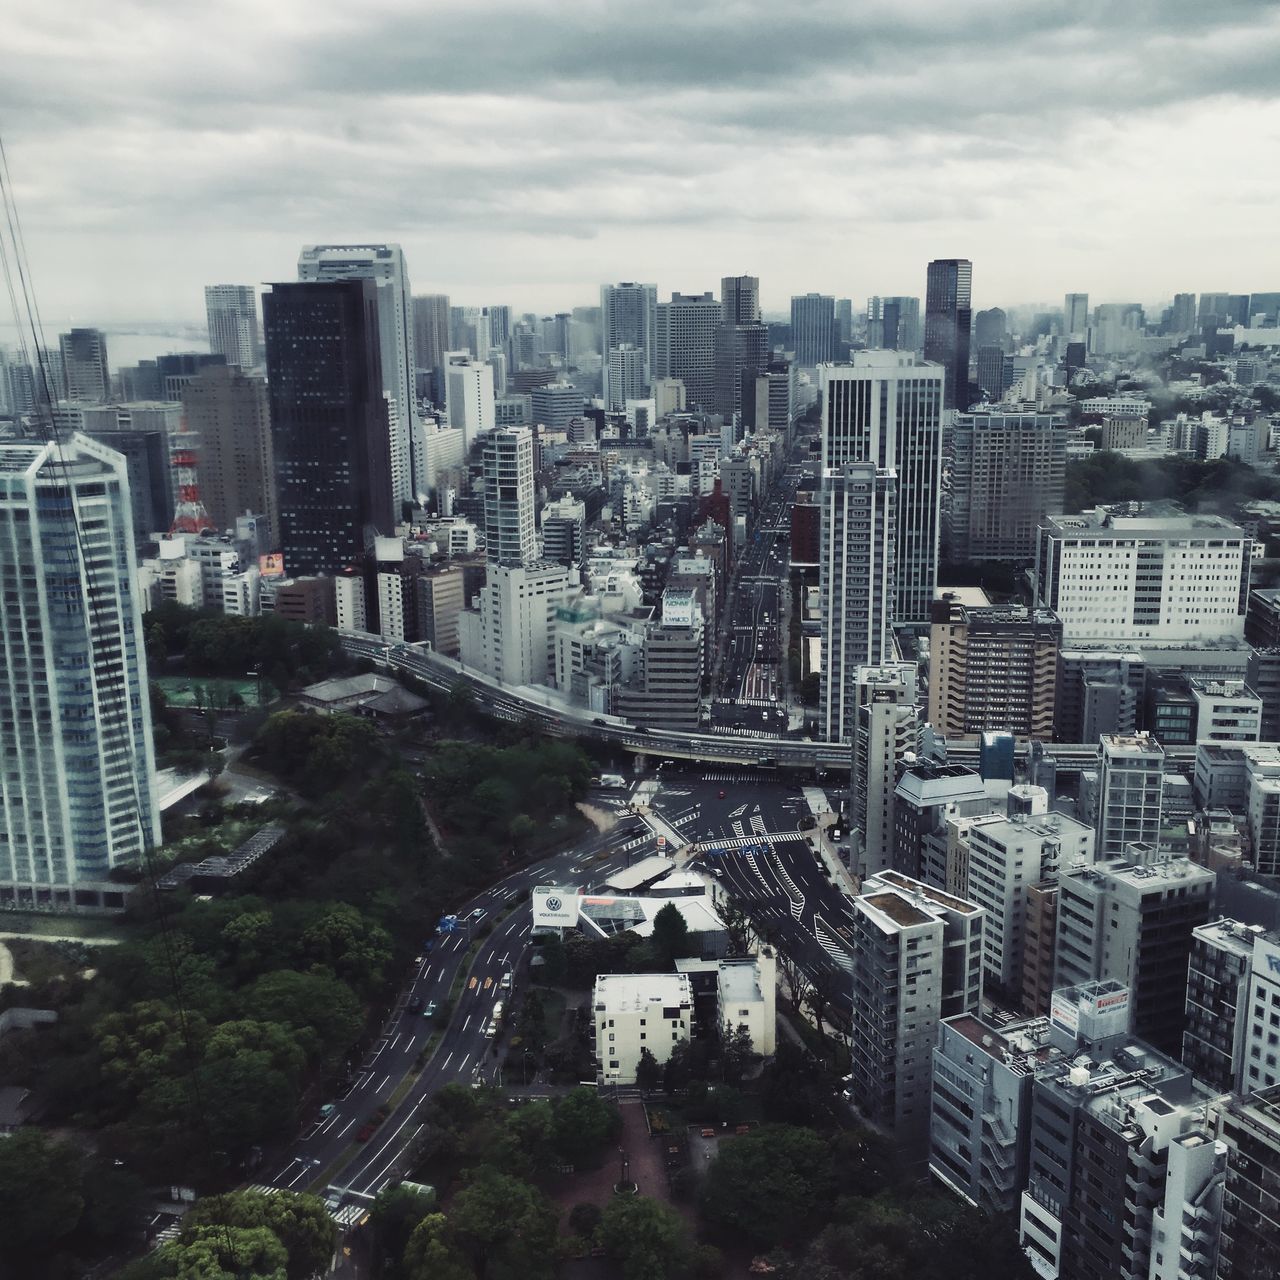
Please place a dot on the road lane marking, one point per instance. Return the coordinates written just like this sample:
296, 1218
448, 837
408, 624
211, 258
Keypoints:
464, 1027
392, 1045
445, 1063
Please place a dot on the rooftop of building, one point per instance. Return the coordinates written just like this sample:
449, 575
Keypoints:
898, 907
973, 597
1102, 522
1023, 1043
1159, 872
1230, 935
739, 979
635, 992
994, 616
341, 688
1133, 745
639, 874
919, 889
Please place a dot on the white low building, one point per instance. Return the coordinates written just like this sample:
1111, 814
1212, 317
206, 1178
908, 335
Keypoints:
636, 1011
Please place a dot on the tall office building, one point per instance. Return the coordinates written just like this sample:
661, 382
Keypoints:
84, 365
1133, 922
991, 328
328, 422
844, 327
1130, 783
556, 405
893, 323
1075, 315
992, 668
947, 319
144, 434
511, 636
627, 376
1183, 317
1007, 856
508, 497
1217, 1012
1124, 1178
886, 727
685, 345
742, 350
1260, 1012
627, 317
1008, 471
229, 414
1215, 308
813, 329
742, 345
856, 585
232, 311
385, 265
917, 960
1172, 579
431, 334
740, 299
468, 396
1250, 1241
76, 758
886, 408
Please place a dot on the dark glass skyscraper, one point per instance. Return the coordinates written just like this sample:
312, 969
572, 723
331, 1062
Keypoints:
948, 317
328, 421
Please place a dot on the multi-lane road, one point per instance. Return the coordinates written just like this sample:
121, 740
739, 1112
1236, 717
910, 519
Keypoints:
347, 1150
751, 697
747, 832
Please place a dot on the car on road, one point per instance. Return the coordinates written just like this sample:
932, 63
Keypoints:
365, 1132
477, 915
719, 795
417, 960
430, 1010
505, 984
415, 1005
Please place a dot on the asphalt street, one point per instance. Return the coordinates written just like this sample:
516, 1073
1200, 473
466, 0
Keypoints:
751, 689
329, 1154
747, 829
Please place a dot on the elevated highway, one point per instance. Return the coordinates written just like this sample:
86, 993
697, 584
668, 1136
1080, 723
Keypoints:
554, 718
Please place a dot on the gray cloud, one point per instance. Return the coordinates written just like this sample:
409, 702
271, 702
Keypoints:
524, 151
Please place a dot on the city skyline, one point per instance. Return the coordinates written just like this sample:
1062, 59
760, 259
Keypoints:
810, 151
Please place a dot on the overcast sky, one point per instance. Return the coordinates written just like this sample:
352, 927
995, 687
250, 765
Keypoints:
523, 152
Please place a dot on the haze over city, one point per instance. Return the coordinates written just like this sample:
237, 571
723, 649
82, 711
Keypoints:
525, 152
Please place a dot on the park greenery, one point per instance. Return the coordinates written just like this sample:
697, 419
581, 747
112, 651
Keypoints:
1216, 487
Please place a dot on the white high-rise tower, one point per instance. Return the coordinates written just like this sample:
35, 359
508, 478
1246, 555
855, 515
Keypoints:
76, 757
384, 264
886, 408
855, 585
233, 323
627, 317
508, 497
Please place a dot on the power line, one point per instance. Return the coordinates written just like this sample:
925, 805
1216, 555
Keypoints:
108, 679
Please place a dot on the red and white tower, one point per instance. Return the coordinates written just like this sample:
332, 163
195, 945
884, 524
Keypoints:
189, 514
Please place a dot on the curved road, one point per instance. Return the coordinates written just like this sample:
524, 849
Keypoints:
328, 1154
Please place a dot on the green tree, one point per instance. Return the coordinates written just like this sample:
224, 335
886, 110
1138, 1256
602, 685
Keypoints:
395, 1216
675, 1071
301, 1223
584, 1218
41, 1200
736, 1051
342, 939
505, 1228
222, 1253
430, 1255
649, 1239
670, 936
772, 1186
315, 1005
583, 1126
648, 1072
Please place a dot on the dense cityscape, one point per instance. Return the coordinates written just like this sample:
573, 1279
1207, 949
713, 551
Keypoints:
662, 785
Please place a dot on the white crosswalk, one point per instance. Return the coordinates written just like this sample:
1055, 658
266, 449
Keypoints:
828, 941
793, 891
